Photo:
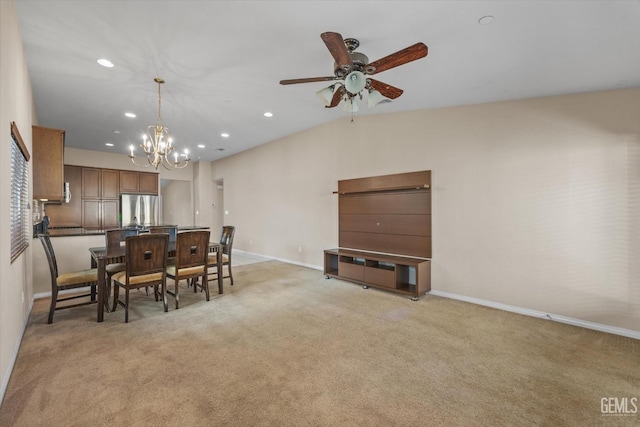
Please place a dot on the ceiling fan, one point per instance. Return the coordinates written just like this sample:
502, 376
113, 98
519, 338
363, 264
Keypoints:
352, 70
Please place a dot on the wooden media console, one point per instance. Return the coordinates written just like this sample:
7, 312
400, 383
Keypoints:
384, 232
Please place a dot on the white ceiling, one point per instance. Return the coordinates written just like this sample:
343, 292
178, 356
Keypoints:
223, 60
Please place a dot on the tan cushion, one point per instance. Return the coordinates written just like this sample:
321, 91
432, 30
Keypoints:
212, 259
121, 277
77, 277
114, 268
171, 271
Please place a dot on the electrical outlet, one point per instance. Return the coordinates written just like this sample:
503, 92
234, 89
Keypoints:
299, 249
250, 242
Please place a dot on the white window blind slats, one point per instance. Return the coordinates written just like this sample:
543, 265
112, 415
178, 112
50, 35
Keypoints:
20, 218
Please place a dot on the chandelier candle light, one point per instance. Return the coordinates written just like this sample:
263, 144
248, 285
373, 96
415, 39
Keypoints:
157, 143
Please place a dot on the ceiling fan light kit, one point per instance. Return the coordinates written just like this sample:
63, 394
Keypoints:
352, 71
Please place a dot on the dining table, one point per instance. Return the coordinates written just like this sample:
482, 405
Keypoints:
100, 259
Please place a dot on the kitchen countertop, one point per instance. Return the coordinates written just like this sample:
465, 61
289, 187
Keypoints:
79, 231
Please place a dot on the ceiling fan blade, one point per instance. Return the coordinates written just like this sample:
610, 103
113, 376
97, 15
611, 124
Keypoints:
386, 89
338, 49
337, 97
307, 80
408, 54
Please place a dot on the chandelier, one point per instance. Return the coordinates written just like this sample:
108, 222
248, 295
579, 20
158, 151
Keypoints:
157, 144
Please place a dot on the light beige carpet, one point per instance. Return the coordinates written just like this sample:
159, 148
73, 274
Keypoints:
286, 347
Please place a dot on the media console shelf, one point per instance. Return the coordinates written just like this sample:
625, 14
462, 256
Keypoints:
384, 233
404, 275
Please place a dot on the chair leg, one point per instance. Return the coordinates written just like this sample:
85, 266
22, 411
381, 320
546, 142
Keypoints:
165, 300
126, 305
116, 296
230, 275
107, 293
205, 285
177, 282
52, 306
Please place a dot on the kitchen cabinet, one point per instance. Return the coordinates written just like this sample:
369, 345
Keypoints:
100, 183
68, 214
138, 182
148, 183
110, 183
48, 163
91, 183
100, 214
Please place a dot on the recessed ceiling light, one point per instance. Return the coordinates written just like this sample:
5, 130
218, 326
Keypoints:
108, 144
268, 114
130, 115
200, 145
486, 20
116, 131
224, 135
105, 63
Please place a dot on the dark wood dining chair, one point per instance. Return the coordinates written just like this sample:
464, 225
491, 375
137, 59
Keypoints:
146, 265
226, 240
68, 280
113, 239
190, 263
171, 230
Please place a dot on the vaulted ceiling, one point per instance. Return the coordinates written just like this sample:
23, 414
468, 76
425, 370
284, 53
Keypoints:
222, 61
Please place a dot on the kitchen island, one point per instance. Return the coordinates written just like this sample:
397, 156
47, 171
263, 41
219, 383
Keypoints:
79, 231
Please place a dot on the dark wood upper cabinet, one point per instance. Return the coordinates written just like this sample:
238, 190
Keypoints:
129, 182
91, 183
68, 214
110, 184
148, 183
138, 182
48, 163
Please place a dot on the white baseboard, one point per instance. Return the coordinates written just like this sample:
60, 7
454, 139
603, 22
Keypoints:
514, 309
288, 261
14, 356
542, 315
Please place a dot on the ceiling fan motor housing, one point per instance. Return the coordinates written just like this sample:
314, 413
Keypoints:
359, 60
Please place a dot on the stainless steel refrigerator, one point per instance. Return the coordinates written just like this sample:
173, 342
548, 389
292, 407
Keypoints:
140, 210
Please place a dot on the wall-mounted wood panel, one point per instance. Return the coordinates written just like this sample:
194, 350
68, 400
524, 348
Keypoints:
389, 214
417, 246
407, 180
417, 225
416, 202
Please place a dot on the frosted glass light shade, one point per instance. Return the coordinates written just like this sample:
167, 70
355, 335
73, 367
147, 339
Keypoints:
355, 82
376, 98
350, 106
326, 94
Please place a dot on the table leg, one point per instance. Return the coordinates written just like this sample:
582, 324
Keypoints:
101, 288
219, 266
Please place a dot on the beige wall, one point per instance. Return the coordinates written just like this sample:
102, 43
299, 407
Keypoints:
16, 104
535, 202
176, 202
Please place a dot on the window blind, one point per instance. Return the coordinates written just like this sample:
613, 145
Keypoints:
20, 218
